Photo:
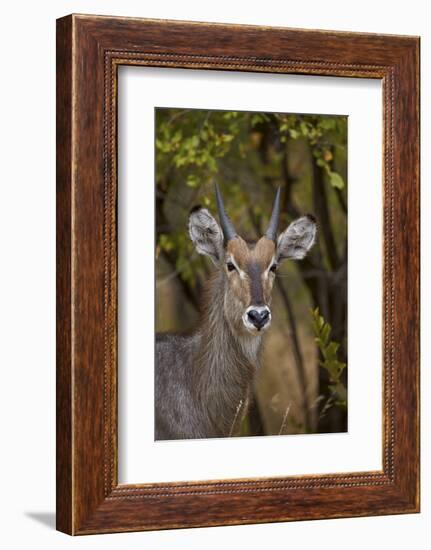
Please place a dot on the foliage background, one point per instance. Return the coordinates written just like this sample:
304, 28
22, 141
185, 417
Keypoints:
302, 385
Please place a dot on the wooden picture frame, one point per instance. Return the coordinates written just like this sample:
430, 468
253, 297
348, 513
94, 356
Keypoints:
89, 51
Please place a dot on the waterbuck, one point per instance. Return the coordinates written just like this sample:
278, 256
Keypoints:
203, 380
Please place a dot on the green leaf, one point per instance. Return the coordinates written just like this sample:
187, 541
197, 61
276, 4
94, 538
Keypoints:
177, 136
325, 333
256, 119
329, 349
304, 128
192, 181
336, 180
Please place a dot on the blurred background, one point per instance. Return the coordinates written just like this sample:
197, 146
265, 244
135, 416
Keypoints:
302, 384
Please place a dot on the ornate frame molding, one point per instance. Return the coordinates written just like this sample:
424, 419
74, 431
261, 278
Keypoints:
89, 498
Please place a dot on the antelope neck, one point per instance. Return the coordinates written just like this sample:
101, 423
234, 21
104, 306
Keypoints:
226, 360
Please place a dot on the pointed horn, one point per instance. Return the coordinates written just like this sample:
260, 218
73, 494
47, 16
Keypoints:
227, 227
271, 232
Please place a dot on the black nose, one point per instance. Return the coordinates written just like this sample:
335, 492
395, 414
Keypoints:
258, 318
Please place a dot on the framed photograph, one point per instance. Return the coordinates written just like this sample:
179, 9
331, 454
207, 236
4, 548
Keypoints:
237, 274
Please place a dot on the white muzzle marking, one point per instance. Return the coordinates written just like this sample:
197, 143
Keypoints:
249, 325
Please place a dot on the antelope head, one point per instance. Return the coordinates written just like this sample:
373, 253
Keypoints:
249, 268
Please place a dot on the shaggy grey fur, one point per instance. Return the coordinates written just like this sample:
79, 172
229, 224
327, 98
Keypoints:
201, 379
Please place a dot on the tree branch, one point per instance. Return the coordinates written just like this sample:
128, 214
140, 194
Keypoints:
322, 213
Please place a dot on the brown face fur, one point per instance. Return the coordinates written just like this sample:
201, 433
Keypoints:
250, 278
248, 269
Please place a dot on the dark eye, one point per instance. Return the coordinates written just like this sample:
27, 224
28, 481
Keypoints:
273, 268
230, 266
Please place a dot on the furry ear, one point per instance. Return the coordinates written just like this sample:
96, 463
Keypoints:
297, 239
206, 234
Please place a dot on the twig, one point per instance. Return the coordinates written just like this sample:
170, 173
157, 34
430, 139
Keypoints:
326, 406
176, 115
235, 418
205, 120
284, 420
